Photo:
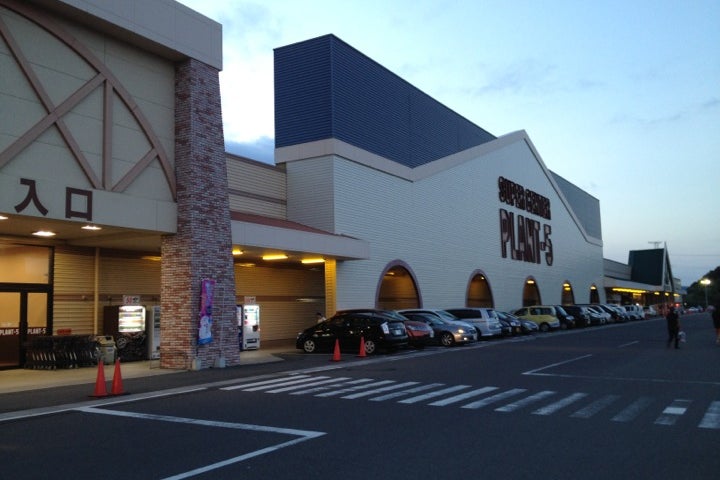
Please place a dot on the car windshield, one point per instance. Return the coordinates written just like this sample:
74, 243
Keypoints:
560, 310
447, 316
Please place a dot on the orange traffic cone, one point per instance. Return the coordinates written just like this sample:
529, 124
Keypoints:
362, 353
336, 353
117, 386
100, 388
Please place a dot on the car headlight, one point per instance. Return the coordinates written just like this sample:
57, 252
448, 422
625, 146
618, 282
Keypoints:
460, 330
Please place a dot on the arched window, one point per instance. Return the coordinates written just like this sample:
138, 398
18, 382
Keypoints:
479, 293
398, 288
531, 294
567, 297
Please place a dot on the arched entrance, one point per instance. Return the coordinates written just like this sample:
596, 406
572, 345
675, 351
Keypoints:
531, 294
594, 295
479, 293
398, 288
568, 297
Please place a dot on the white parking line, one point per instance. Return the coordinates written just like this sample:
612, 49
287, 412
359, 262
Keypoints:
534, 372
301, 434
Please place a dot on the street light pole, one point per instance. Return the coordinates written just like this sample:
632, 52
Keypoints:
705, 282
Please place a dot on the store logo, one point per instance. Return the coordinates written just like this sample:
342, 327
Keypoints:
522, 237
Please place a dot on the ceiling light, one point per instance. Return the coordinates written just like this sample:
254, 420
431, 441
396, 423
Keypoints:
91, 227
3, 217
313, 260
44, 233
236, 251
278, 256
154, 258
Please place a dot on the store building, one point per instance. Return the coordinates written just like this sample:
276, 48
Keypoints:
111, 139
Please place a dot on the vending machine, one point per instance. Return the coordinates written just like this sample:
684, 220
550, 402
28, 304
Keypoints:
127, 324
154, 332
248, 317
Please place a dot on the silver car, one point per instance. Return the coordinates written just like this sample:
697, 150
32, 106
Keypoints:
448, 332
485, 320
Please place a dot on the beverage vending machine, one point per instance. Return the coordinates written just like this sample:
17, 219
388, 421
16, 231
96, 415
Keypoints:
248, 317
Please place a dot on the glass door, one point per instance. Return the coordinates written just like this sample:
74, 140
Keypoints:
9, 329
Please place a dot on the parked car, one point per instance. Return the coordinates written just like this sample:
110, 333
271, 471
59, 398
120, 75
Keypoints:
580, 313
623, 315
376, 331
523, 326
635, 312
447, 333
597, 317
650, 311
485, 320
444, 315
567, 320
544, 316
419, 333
614, 314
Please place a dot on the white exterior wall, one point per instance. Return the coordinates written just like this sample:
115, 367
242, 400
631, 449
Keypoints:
444, 226
147, 202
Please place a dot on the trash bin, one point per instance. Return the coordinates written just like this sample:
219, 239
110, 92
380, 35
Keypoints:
107, 352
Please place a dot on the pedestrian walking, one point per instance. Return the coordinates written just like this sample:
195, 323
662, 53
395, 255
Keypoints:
716, 322
673, 326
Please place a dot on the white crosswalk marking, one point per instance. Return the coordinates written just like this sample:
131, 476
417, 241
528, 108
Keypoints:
441, 395
595, 407
560, 404
463, 396
633, 410
264, 382
672, 413
494, 398
511, 407
294, 381
328, 386
305, 385
378, 390
437, 393
353, 389
712, 417
407, 391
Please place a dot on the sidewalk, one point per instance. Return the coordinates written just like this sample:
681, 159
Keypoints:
22, 380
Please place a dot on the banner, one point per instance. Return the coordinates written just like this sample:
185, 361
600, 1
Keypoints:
206, 303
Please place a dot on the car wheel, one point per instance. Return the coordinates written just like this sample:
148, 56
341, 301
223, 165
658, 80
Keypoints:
447, 340
309, 345
544, 327
370, 347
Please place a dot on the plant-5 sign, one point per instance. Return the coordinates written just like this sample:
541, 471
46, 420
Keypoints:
526, 239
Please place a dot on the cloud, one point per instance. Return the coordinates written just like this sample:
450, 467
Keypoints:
262, 150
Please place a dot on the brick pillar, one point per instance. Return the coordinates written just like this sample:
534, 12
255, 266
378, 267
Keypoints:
202, 247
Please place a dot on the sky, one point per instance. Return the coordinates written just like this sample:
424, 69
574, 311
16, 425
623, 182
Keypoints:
621, 98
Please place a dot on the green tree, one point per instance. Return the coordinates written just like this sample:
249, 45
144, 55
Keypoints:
696, 291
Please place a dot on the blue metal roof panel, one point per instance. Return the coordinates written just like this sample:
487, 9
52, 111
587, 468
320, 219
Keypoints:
324, 87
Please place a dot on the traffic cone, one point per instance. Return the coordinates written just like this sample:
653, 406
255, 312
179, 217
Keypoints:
117, 386
336, 353
362, 353
100, 388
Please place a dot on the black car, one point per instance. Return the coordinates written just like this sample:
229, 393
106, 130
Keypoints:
581, 314
567, 320
349, 329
